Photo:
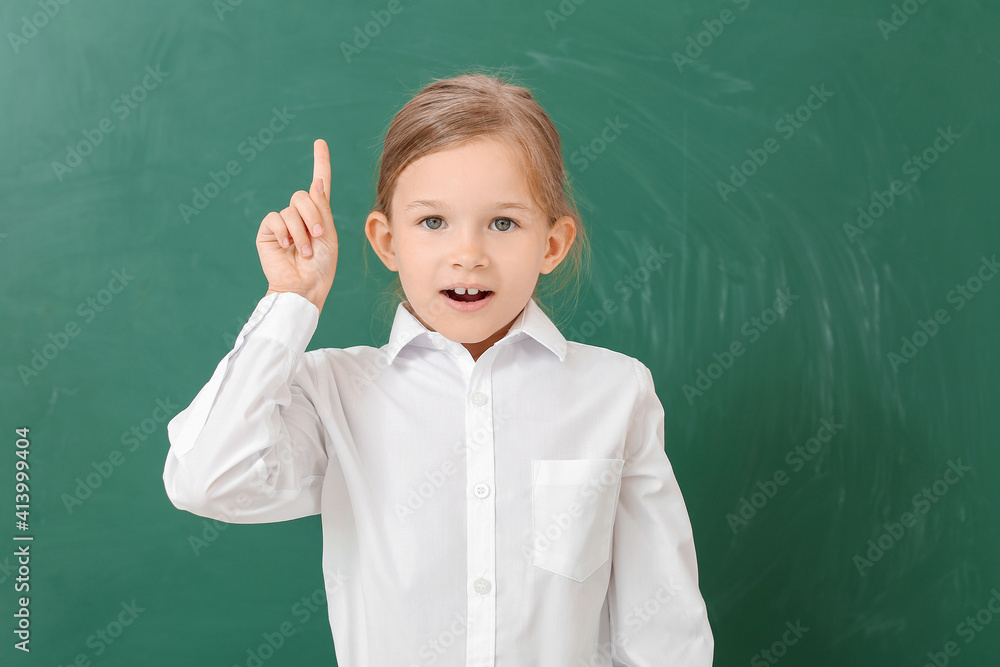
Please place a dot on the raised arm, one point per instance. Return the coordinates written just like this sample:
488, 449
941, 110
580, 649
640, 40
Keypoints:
250, 447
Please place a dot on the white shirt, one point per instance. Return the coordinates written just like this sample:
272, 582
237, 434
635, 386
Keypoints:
513, 511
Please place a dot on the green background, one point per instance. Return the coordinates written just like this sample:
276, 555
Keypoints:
683, 128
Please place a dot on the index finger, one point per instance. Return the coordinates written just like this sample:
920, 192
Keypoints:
321, 165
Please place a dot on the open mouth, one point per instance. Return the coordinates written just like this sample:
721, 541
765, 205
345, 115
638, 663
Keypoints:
466, 295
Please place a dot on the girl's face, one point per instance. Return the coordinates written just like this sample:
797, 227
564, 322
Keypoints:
465, 217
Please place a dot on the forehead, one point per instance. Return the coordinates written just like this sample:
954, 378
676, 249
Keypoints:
484, 167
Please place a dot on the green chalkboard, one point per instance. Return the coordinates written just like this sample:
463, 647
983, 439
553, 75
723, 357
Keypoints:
793, 216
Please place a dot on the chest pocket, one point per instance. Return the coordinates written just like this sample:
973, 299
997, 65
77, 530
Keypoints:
573, 505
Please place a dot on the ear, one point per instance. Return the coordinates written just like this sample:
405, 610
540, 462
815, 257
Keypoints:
379, 233
559, 241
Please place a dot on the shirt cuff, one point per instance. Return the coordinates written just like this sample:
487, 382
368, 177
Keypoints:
291, 319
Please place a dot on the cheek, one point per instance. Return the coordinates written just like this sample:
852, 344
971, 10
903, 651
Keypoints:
524, 265
414, 266
407, 259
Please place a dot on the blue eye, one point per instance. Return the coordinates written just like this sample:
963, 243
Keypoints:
432, 228
510, 223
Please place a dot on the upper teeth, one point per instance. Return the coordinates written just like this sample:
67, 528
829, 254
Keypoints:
462, 290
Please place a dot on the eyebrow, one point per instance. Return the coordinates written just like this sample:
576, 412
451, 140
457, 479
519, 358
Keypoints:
433, 203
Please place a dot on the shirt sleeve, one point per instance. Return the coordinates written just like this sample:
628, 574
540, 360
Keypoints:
250, 448
657, 613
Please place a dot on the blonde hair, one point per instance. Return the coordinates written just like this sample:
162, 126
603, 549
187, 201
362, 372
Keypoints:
448, 113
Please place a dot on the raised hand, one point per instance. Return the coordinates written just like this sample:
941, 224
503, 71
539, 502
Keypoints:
298, 247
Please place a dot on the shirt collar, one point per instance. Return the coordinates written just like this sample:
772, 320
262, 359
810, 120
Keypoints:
531, 322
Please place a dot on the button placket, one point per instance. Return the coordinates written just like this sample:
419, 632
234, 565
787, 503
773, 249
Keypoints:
481, 517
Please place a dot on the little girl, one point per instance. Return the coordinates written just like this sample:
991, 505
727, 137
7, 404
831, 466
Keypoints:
491, 494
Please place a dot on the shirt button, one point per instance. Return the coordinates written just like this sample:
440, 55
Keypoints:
479, 398
481, 490
483, 586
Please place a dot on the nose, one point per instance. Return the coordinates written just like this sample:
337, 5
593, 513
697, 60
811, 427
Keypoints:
468, 248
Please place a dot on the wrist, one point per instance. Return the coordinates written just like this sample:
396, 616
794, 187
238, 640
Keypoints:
311, 296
